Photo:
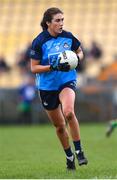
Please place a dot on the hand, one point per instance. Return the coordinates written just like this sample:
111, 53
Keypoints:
64, 67
56, 66
79, 62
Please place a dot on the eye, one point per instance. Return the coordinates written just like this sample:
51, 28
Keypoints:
58, 20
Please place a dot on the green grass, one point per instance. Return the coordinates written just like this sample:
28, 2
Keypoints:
35, 152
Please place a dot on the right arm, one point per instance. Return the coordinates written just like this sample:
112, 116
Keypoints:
36, 55
37, 68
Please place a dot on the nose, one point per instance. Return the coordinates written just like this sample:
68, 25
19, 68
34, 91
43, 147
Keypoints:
61, 22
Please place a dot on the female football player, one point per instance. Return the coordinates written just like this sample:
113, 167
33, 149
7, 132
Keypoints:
56, 82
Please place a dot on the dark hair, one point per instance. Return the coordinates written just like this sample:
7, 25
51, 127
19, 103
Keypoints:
48, 15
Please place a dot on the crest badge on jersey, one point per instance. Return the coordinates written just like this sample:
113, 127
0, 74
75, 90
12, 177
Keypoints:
66, 45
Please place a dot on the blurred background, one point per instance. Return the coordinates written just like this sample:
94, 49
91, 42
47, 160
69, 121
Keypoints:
94, 23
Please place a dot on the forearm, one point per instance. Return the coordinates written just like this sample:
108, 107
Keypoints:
80, 53
40, 68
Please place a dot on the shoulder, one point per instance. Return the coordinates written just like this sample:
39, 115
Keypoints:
67, 34
40, 38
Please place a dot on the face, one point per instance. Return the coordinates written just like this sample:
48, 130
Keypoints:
56, 25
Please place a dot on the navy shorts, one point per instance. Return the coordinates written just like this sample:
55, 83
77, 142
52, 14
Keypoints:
50, 99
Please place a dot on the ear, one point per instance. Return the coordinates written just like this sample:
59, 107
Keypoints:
48, 23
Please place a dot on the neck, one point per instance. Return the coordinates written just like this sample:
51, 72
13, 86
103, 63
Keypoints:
52, 33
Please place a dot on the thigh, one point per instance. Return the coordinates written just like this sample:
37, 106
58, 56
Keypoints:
49, 99
67, 98
56, 116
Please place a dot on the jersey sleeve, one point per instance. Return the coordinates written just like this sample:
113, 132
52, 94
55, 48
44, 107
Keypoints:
75, 43
36, 51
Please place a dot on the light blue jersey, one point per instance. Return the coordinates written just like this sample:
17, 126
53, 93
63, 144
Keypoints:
46, 48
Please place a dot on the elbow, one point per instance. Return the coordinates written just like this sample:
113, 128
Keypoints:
81, 55
33, 70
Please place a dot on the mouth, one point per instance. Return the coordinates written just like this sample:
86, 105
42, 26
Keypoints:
60, 29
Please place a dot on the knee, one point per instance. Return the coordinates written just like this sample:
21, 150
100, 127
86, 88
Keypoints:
68, 114
60, 129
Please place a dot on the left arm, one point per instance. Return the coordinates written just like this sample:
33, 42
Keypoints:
80, 53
